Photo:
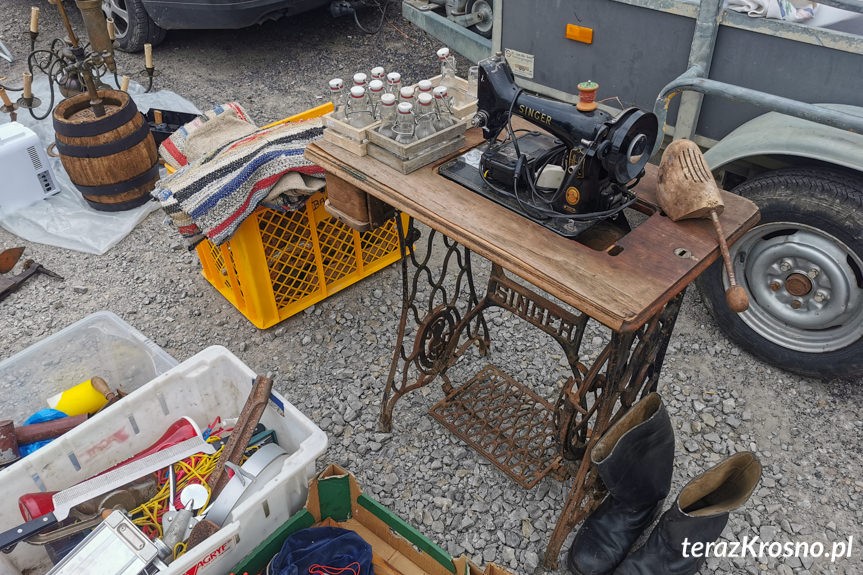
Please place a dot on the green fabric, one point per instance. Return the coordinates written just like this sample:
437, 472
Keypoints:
334, 497
407, 531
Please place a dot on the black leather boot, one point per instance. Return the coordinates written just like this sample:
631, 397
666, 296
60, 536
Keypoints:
635, 460
677, 546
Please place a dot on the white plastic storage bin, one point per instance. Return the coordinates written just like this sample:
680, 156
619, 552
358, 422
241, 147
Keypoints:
101, 345
211, 383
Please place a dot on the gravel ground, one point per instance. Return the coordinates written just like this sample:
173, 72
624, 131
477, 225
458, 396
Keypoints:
331, 360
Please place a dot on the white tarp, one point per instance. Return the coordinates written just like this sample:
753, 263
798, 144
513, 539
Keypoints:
65, 220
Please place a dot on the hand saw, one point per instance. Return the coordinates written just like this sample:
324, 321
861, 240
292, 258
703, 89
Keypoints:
65, 500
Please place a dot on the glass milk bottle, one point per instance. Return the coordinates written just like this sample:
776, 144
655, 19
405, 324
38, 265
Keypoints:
394, 83
376, 90
359, 112
404, 126
388, 115
406, 94
337, 95
443, 110
425, 117
448, 76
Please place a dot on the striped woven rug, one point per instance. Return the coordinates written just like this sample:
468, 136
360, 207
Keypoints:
213, 195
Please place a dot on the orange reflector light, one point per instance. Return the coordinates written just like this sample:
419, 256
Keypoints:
579, 33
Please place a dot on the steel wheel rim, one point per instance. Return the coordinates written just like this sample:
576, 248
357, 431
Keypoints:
804, 286
117, 10
484, 8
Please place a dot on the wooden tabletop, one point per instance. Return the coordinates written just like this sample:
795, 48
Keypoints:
622, 291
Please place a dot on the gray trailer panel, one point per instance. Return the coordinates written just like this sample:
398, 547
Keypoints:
641, 45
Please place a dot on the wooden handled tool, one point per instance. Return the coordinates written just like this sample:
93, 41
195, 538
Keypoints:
687, 190
11, 437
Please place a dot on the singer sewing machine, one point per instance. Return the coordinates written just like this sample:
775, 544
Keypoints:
579, 170
544, 426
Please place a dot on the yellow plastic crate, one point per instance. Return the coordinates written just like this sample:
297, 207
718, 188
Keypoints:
279, 263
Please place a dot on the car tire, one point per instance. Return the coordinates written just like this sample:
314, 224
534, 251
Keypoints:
133, 25
802, 267
484, 28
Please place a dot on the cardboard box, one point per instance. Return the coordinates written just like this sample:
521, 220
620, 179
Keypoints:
335, 499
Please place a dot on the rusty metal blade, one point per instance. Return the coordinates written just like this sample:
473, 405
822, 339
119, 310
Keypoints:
8, 259
201, 531
243, 431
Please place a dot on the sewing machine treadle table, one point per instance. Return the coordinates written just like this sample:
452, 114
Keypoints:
634, 287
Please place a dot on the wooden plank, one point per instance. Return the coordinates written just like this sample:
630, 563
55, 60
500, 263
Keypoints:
622, 291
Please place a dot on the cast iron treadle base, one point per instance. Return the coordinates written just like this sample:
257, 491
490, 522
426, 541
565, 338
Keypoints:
505, 421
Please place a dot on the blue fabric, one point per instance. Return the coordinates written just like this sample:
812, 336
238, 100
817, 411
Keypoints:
39, 417
326, 546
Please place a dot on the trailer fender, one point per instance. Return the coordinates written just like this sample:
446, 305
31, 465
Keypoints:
778, 134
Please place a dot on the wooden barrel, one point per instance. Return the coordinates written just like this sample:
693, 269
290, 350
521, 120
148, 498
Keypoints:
111, 159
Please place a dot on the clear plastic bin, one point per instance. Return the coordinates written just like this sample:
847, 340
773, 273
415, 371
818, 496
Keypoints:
212, 383
101, 345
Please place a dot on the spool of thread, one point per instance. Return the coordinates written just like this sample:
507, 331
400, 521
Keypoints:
587, 96
79, 400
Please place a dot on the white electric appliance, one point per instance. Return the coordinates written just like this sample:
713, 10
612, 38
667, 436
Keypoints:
25, 175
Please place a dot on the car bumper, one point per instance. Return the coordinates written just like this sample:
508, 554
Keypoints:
222, 14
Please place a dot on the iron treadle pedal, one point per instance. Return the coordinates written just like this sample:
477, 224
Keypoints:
505, 421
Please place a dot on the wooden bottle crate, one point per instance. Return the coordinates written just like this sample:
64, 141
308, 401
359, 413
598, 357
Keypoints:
346, 136
463, 110
410, 157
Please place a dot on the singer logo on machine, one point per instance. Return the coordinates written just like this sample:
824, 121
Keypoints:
534, 115
209, 558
